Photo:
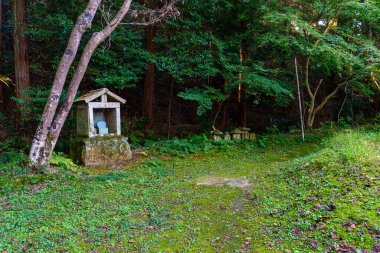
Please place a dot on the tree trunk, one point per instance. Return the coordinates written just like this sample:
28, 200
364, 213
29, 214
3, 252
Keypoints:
241, 93
170, 107
83, 23
48, 130
310, 119
313, 109
21, 52
223, 123
243, 112
93, 43
149, 81
1, 61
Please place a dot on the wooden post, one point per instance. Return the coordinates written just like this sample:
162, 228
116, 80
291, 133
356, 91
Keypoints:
118, 125
104, 98
91, 127
300, 101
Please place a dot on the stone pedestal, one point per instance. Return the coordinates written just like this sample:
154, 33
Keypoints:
97, 151
252, 136
216, 135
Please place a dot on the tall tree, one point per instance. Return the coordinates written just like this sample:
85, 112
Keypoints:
329, 40
1, 53
149, 80
21, 50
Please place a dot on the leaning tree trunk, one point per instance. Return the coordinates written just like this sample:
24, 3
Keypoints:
96, 39
83, 23
21, 52
48, 130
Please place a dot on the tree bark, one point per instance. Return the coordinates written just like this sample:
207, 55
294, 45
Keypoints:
170, 107
241, 94
83, 23
243, 112
21, 51
149, 81
223, 124
93, 43
1, 61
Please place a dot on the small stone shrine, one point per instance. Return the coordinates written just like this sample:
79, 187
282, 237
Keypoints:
99, 140
237, 134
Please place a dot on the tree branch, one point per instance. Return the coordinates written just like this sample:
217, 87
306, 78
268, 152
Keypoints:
318, 86
150, 17
332, 94
309, 92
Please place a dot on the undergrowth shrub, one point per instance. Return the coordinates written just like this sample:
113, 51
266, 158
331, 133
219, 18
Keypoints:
195, 143
202, 143
63, 162
348, 148
353, 147
13, 163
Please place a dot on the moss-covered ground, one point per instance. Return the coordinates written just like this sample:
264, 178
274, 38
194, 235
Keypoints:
317, 196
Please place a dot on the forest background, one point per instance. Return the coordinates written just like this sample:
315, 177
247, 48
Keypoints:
222, 63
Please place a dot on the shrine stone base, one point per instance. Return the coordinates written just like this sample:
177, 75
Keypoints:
102, 150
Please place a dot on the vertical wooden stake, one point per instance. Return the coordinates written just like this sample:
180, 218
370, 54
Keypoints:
240, 74
299, 100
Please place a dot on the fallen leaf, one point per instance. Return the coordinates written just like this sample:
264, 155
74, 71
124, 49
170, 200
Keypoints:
314, 244
351, 228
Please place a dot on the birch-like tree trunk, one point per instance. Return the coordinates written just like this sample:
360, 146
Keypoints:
83, 23
96, 39
51, 123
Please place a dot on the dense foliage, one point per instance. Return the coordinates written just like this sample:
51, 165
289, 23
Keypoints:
218, 65
219, 54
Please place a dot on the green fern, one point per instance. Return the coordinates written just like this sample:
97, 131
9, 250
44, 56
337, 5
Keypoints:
63, 162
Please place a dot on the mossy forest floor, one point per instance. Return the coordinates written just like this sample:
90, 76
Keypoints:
317, 196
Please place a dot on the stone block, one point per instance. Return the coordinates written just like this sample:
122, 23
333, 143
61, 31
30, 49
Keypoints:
216, 138
98, 151
252, 136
